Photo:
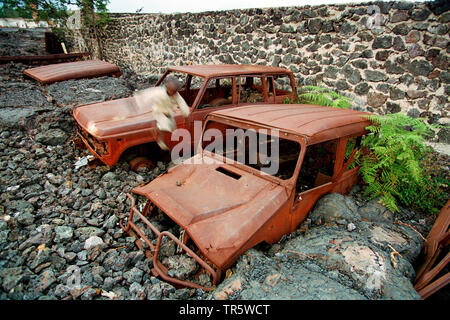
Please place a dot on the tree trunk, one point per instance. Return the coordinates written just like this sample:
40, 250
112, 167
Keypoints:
88, 11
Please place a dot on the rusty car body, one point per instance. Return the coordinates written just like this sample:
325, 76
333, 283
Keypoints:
226, 208
431, 276
109, 128
72, 70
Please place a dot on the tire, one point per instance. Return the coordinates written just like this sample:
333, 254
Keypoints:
140, 162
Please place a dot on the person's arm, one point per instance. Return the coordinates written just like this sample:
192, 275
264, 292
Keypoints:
181, 104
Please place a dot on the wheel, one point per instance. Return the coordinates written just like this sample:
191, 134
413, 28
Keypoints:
140, 162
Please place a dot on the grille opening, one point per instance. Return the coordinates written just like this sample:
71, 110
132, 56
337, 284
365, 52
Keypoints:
179, 264
229, 173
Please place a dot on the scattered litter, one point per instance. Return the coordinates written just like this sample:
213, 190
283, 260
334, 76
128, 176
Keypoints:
407, 225
422, 221
81, 162
393, 254
13, 188
93, 90
111, 295
351, 227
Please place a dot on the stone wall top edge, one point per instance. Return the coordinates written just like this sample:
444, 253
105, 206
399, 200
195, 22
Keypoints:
340, 7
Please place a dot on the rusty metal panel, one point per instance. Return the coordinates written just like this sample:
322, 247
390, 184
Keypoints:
72, 70
113, 117
114, 126
437, 242
301, 119
232, 213
215, 70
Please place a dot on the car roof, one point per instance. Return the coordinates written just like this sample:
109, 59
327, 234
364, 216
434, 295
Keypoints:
212, 70
315, 123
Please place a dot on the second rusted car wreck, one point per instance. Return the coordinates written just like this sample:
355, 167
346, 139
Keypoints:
225, 204
108, 129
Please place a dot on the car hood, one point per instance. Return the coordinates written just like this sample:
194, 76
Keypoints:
220, 206
114, 117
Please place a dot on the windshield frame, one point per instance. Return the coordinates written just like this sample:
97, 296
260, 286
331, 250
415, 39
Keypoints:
242, 124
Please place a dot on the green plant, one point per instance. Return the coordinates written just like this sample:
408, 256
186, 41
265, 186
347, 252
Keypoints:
94, 14
393, 166
321, 96
394, 162
36, 9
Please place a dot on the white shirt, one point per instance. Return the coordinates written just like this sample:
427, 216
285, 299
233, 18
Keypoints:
162, 103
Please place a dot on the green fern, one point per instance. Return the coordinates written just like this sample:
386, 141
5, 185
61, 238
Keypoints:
393, 158
392, 168
321, 96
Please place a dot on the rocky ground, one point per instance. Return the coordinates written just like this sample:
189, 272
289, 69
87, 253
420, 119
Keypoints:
15, 42
59, 220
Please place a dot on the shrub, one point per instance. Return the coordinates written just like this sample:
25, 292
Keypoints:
394, 165
322, 97
394, 162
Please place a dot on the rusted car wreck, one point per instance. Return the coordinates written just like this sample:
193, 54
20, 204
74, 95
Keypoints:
110, 128
225, 206
432, 276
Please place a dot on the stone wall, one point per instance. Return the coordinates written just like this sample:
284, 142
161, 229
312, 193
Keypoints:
390, 57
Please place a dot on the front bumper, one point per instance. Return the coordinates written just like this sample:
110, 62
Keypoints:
158, 268
97, 148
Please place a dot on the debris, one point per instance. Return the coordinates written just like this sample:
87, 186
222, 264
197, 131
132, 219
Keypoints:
81, 162
92, 242
433, 257
116, 123
259, 219
407, 225
392, 255
351, 227
72, 70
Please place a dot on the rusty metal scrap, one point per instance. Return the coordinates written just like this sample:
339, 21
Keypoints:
436, 256
158, 268
72, 70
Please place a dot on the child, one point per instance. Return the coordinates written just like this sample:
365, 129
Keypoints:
163, 100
